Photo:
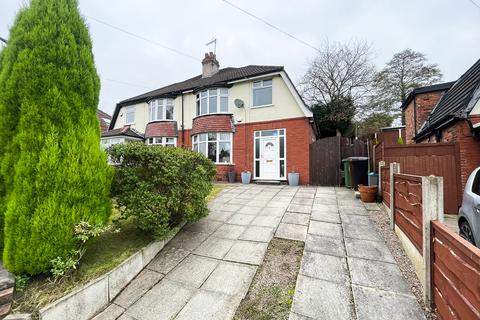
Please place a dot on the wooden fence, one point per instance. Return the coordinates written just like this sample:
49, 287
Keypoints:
448, 265
455, 274
385, 185
326, 158
439, 159
408, 207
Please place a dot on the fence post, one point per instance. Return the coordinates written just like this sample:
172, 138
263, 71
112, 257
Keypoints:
394, 168
432, 206
381, 164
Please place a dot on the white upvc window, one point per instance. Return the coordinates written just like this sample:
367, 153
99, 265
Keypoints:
163, 141
217, 146
161, 109
262, 93
212, 101
130, 115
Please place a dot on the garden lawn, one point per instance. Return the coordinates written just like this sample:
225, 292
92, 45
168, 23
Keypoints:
102, 255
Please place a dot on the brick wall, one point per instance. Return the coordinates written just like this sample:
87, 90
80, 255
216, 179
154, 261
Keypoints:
417, 112
409, 123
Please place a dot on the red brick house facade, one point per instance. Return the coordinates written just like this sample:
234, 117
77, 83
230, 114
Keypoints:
244, 119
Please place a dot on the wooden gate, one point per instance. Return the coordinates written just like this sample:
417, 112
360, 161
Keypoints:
326, 158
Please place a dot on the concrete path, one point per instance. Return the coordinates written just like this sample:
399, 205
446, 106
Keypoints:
347, 271
205, 271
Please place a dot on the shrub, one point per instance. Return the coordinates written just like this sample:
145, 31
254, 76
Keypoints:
53, 172
161, 187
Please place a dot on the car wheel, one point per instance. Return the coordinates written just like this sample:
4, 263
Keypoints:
466, 232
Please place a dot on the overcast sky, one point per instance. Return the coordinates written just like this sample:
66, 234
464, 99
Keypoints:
448, 31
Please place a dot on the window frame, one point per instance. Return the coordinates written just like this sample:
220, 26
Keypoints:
219, 95
130, 109
262, 86
196, 145
153, 106
163, 141
281, 133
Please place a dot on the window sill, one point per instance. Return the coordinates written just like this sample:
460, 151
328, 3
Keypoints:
262, 106
166, 120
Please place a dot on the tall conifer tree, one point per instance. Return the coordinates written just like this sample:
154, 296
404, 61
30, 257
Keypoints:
53, 172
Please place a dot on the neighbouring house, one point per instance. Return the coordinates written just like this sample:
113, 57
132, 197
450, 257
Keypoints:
104, 119
456, 118
247, 118
388, 136
418, 105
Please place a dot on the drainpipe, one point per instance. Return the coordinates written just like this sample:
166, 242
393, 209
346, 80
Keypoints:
183, 124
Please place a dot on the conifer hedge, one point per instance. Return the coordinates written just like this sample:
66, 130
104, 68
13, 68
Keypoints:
161, 187
53, 172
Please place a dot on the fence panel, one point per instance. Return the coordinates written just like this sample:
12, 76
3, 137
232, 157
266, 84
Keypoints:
386, 185
408, 207
430, 159
455, 275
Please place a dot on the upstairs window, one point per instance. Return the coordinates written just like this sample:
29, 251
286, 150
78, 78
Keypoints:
262, 93
130, 115
161, 109
212, 101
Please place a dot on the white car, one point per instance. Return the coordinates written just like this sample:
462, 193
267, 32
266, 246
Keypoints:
469, 214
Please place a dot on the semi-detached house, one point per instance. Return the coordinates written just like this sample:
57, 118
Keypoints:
247, 118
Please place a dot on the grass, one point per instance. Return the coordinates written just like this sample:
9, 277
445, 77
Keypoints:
271, 293
102, 255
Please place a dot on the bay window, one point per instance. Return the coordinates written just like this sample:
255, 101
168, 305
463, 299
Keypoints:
161, 109
262, 93
212, 101
163, 141
215, 146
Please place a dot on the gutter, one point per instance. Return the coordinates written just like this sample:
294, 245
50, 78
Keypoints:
430, 130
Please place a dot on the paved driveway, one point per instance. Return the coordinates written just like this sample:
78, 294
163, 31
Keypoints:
347, 271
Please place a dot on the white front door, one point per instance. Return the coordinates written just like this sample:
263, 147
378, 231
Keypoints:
269, 168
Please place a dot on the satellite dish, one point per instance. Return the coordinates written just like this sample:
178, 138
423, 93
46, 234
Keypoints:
239, 103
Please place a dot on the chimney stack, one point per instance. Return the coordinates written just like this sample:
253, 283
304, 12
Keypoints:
210, 65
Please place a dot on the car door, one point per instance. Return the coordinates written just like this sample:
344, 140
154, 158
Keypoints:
471, 203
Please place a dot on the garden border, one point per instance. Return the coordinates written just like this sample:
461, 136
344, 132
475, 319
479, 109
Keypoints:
87, 301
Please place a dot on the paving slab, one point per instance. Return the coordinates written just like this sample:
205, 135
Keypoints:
325, 267
296, 218
214, 247
378, 275
193, 270
272, 211
372, 206
352, 210
302, 201
209, 305
247, 252
299, 208
229, 231
320, 299
325, 216
366, 249
250, 210
331, 208
258, 203
291, 231
327, 245
205, 226
126, 317
135, 289
325, 229
167, 259
238, 201
163, 301
296, 316
266, 221
221, 216
188, 240
112, 312
227, 207
361, 231
282, 198
230, 278
383, 305
355, 219
241, 219
256, 233
326, 201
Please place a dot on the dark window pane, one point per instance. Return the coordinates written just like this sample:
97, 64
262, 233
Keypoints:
169, 112
257, 148
476, 184
262, 96
212, 137
282, 147
198, 107
269, 133
224, 152
212, 151
257, 168
282, 168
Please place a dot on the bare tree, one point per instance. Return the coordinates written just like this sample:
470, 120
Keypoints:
406, 71
339, 71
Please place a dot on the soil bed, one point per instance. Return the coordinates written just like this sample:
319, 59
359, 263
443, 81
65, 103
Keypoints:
271, 293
